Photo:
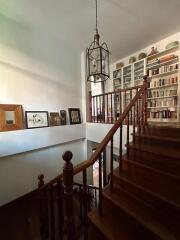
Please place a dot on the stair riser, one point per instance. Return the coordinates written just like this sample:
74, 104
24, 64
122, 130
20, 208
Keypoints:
142, 232
152, 180
157, 142
161, 206
169, 165
174, 133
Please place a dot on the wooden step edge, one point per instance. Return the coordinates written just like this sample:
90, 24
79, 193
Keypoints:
162, 138
143, 148
171, 128
109, 227
174, 205
159, 229
95, 219
157, 171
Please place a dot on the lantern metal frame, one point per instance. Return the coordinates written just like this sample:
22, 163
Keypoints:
103, 72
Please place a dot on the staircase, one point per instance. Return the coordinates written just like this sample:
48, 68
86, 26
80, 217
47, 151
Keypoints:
144, 202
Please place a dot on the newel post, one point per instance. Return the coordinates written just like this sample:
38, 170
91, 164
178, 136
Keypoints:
68, 194
90, 106
145, 100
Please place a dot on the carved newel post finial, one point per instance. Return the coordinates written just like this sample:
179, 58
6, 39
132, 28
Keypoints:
68, 194
41, 180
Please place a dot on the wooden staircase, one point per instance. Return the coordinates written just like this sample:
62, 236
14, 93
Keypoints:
145, 200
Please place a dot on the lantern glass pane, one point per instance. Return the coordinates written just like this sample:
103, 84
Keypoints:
95, 61
105, 62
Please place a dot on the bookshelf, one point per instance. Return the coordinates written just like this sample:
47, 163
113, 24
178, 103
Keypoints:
163, 86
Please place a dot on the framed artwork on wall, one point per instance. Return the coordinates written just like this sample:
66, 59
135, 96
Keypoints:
11, 117
63, 117
54, 119
74, 116
36, 119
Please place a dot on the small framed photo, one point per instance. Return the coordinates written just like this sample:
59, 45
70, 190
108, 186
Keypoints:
36, 119
54, 119
74, 116
11, 117
63, 117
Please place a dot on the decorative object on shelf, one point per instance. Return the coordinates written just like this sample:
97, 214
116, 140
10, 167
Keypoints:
54, 119
74, 115
132, 59
172, 44
63, 117
153, 51
11, 117
119, 65
36, 119
142, 56
97, 59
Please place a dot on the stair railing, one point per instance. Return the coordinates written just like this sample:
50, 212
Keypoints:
135, 114
107, 107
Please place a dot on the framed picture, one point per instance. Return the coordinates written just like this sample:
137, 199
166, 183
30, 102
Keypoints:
54, 119
11, 117
36, 119
74, 115
63, 117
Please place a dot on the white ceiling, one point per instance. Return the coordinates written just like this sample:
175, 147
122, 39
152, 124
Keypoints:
126, 25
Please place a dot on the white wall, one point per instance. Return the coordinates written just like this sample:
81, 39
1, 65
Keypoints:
18, 173
41, 73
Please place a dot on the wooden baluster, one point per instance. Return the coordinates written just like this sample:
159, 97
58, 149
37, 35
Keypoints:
68, 194
100, 186
95, 197
127, 143
60, 208
140, 113
103, 108
94, 109
145, 100
100, 109
131, 122
125, 101
142, 109
90, 106
52, 220
112, 165
104, 169
107, 109
120, 147
42, 206
46, 204
85, 204
120, 100
81, 203
111, 108
134, 122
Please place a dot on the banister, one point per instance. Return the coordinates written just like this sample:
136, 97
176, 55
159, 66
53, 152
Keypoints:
117, 91
80, 167
87, 163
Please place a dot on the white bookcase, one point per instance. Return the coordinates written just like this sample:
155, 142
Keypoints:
163, 83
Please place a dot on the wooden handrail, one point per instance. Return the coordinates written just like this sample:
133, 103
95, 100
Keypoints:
136, 110
80, 167
87, 163
117, 91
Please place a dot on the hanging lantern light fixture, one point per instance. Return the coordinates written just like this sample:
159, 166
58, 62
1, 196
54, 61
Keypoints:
97, 59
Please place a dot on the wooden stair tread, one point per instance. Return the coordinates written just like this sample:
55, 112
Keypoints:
112, 228
170, 153
175, 140
143, 189
145, 167
143, 213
